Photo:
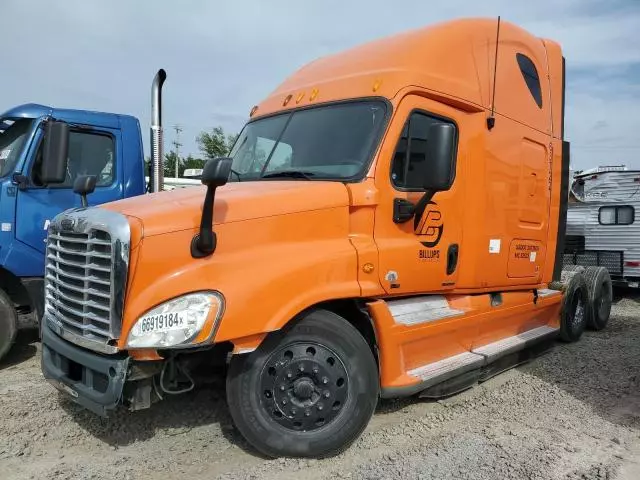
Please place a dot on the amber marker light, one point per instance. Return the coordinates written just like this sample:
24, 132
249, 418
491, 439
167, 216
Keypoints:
367, 268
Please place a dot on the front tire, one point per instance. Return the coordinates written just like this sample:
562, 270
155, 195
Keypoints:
309, 391
8, 324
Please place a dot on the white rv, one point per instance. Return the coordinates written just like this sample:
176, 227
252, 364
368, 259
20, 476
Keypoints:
602, 228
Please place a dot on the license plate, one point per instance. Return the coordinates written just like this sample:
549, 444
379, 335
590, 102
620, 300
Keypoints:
165, 322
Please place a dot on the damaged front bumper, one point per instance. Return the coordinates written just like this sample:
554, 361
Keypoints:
92, 380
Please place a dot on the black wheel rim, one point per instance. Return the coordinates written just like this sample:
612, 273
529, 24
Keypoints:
304, 386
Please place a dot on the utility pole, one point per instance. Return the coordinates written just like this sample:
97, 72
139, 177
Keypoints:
177, 145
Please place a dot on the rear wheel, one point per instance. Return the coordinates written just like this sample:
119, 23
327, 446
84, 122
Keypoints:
8, 324
570, 270
573, 314
306, 392
600, 291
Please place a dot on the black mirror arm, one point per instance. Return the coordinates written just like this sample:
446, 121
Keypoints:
404, 210
83, 186
204, 243
214, 174
421, 206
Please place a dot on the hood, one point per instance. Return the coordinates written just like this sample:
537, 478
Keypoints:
181, 209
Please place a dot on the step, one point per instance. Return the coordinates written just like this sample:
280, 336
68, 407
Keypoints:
444, 369
424, 309
547, 292
508, 345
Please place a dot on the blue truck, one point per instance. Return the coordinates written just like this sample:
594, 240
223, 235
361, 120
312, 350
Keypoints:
43, 151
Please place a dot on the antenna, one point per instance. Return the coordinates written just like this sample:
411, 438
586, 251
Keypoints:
491, 121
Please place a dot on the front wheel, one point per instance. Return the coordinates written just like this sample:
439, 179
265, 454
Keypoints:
307, 392
8, 324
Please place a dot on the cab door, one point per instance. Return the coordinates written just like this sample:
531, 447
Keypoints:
417, 231
92, 151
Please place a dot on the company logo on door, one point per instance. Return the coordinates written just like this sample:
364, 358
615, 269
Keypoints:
430, 227
429, 231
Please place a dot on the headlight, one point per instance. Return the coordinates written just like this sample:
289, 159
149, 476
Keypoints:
178, 322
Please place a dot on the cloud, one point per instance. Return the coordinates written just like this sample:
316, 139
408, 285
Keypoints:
224, 57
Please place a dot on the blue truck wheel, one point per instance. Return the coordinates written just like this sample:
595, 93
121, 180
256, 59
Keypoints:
8, 324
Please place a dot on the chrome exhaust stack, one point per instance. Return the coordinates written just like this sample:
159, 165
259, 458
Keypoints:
157, 141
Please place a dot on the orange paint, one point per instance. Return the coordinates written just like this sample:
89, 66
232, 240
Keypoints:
247, 344
285, 246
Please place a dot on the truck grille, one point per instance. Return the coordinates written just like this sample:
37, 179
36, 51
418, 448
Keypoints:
79, 275
85, 272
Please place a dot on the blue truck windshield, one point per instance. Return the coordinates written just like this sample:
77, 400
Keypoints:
328, 142
13, 136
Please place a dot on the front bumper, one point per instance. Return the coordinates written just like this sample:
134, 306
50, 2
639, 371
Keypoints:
92, 380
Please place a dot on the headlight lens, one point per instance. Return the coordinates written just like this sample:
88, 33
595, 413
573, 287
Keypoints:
176, 322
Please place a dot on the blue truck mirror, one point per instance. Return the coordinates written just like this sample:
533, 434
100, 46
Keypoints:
54, 154
83, 186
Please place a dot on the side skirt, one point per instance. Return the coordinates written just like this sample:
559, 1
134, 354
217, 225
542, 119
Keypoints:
455, 374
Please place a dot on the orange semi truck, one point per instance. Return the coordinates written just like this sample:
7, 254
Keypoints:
389, 223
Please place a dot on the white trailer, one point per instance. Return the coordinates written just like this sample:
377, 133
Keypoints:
601, 222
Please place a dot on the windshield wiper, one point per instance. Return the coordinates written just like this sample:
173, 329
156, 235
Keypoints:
236, 174
290, 173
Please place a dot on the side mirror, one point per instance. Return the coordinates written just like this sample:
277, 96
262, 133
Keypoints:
83, 186
55, 151
441, 157
214, 174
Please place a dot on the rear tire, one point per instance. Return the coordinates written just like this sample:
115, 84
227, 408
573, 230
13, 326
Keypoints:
600, 291
573, 314
309, 391
573, 268
569, 271
8, 324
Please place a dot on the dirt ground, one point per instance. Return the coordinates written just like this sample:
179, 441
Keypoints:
573, 413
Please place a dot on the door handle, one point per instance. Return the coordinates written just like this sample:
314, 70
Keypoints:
452, 258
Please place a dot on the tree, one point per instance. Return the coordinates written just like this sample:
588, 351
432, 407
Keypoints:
215, 143
212, 144
170, 164
191, 162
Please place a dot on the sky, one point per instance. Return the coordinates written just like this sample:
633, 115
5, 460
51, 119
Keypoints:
224, 56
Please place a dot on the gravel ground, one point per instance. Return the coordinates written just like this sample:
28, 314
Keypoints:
573, 413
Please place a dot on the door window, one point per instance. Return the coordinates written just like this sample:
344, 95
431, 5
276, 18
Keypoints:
89, 154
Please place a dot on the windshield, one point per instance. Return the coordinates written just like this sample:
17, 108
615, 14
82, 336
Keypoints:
328, 142
13, 135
